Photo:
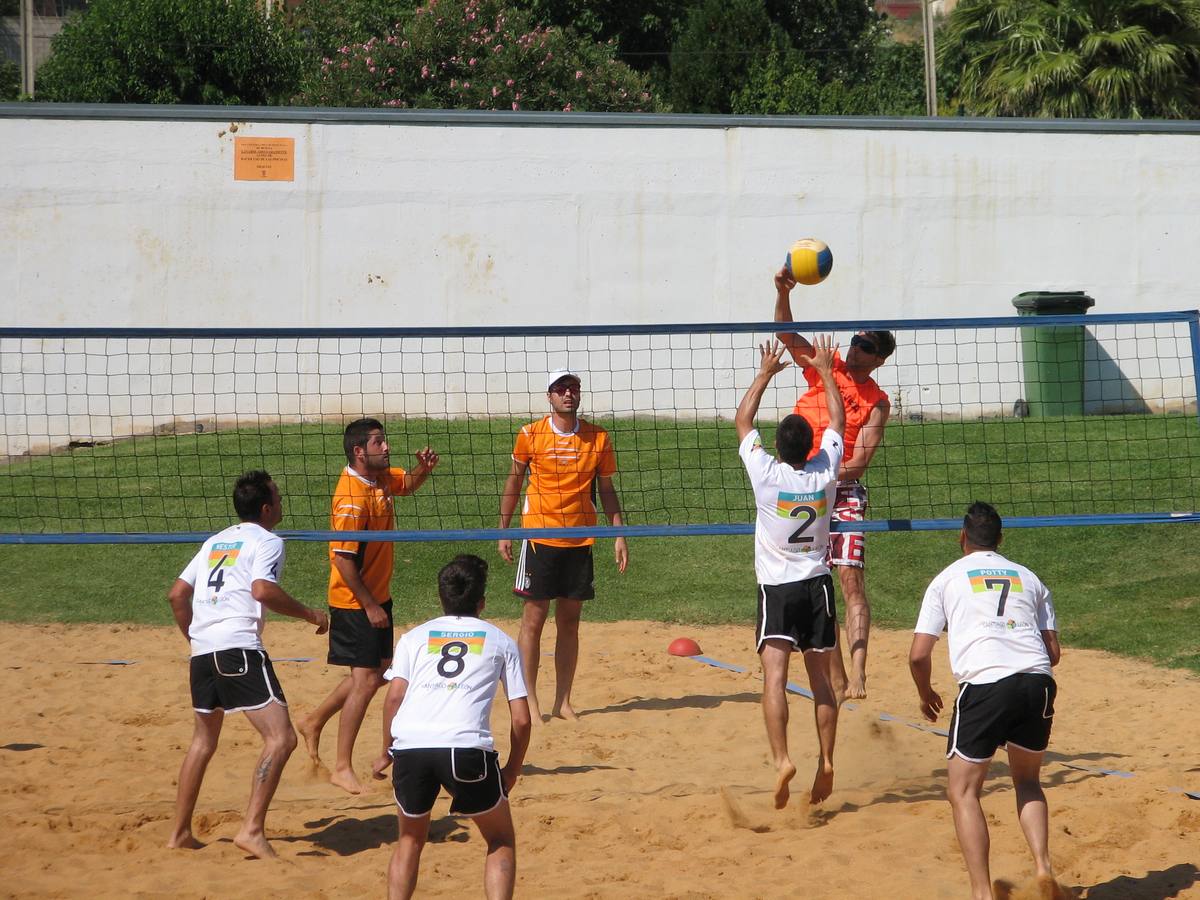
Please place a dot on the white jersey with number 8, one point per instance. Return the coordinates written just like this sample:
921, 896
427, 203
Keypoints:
452, 665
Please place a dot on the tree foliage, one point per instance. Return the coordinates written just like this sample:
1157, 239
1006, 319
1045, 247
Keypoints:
478, 54
172, 51
1076, 58
719, 44
838, 37
10, 81
788, 84
326, 25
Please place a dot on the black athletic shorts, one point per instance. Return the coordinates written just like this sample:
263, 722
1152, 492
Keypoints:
802, 612
1016, 710
354, 641
234, 680
545, 572
471, 776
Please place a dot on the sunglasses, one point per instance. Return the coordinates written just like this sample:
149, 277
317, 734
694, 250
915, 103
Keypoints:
567, 387
866, 345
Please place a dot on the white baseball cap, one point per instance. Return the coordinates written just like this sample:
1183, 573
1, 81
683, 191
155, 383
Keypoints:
559, 375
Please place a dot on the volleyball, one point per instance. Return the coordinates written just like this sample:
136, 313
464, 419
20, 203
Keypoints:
809, 261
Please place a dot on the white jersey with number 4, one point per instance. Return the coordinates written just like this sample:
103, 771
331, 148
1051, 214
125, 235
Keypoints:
452, 665
225, 615
994, 611
791, 531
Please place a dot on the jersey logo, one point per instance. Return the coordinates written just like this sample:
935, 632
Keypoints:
439, 640
985, 581
224, 554
786, 505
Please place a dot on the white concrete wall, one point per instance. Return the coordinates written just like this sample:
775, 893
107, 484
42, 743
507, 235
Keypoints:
140, 223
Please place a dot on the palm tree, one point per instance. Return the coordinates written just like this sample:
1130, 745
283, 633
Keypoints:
1076, 58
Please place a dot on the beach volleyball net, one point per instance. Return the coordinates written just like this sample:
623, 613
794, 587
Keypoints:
136, 435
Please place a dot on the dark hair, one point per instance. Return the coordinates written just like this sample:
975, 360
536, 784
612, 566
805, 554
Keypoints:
251, 493
885, 342
982, 526
461, 584
357, 434
794, 439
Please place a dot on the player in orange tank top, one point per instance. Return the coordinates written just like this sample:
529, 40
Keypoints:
867, 410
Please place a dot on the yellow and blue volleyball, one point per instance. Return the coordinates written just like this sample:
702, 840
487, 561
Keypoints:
809, 261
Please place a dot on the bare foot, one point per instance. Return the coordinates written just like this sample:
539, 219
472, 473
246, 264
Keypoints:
564, 711
312, 738
1049, 889
254, 844
1002, 890
185, 841
787, 771
822, 785
856, 686
346, 780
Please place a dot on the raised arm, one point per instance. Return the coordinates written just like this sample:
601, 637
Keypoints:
820, 358
427, 461
508, 504
796, 344
769, 366
277, 600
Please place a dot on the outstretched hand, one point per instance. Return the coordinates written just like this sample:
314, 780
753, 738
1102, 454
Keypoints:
772, 362
821, 357
427, 458
784, 281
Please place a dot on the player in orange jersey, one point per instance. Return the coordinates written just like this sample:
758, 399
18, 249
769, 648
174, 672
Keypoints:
360, 574
569, 462
867, 410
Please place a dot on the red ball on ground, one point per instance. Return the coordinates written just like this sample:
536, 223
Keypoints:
684, 646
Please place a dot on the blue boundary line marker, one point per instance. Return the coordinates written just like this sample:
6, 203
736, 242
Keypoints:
888, 717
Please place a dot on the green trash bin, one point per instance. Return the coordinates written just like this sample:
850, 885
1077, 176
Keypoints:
1052, 356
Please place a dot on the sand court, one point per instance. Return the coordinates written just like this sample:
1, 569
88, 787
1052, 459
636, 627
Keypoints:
662, 789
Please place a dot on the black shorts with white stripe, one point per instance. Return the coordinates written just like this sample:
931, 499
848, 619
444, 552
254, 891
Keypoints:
470, 775
546, 572
1016, 710
234, 680
802, 612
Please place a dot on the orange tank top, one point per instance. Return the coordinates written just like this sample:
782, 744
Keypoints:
860, 399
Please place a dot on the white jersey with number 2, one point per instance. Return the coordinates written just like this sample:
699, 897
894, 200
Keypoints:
994, 611
791, 530
225, 615
452, 665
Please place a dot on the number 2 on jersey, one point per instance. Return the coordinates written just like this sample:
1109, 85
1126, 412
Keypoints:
809, 515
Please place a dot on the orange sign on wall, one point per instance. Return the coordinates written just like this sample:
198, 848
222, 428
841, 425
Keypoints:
264, 159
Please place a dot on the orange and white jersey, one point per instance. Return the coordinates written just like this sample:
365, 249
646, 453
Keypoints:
360, 504
562, 476
859, 398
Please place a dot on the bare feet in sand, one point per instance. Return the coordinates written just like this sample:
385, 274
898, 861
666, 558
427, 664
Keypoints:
185, 841
346, 780
787, 771
312, 738
822, 785
856, 687
254, 844
564, 712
